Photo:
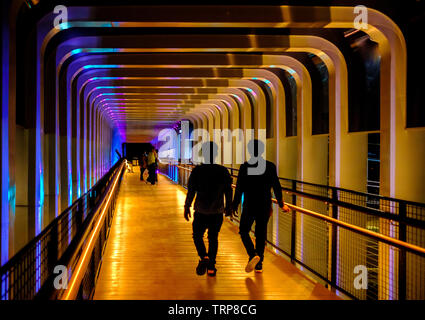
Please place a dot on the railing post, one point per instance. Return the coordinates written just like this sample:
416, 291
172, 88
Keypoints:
293, 225
334, 210
402, 253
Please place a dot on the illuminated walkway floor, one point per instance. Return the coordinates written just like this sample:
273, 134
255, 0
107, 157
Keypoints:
150, 255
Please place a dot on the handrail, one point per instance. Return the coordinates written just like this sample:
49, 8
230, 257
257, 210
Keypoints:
351, 227
377, 236
368, 210
420, 223
366, 194
29, 273
332, 240
37, 238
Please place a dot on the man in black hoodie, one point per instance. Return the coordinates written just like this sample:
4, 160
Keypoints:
211, 183
256, 178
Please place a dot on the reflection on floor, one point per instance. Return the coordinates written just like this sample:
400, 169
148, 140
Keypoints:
150, 255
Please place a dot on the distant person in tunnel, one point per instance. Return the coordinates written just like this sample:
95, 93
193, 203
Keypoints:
211, 183
152, 164
257, 202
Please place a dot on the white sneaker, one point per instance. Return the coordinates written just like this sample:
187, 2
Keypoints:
252, 263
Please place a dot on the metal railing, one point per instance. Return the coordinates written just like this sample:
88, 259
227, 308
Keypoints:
334, 232
31, 272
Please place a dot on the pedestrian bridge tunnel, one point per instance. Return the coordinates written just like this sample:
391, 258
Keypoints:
323, 87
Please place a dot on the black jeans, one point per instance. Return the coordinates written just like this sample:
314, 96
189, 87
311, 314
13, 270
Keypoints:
202, 222
152, 173
261, 219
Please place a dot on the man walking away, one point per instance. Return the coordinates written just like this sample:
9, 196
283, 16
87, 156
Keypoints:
257, 204
211, 183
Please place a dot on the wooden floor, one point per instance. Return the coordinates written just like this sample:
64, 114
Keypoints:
150, 255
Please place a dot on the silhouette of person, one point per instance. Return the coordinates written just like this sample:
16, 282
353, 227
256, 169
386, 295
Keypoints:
256, 185
152, 165
211, 183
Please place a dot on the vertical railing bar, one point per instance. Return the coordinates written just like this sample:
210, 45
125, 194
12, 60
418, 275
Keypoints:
334, 239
